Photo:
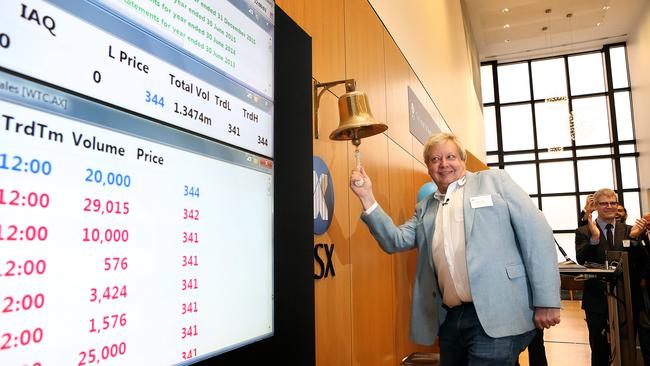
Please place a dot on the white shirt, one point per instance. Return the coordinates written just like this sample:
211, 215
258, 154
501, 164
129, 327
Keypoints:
448, 247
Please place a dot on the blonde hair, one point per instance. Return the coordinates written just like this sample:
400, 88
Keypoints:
441, 138
604, 192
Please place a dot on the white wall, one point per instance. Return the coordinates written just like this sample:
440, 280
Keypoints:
432, 38
638, 58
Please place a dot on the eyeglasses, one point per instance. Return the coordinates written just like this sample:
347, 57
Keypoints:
605, 204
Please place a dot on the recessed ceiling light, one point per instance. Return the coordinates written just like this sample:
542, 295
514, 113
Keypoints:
507, 41
506, 26
606, 7
598, 24
505, 10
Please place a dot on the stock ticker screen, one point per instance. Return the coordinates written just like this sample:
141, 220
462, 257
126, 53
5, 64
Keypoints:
136, 180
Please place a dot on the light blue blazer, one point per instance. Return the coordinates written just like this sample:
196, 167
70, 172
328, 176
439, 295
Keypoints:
511, 257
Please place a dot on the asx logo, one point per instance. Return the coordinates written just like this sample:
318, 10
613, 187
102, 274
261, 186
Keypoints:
323, 193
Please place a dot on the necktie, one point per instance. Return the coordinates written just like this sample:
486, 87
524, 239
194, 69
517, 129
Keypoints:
609, 235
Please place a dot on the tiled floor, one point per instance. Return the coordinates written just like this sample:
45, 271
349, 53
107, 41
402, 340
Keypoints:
567, 343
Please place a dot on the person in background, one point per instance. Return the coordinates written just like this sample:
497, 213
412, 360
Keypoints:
486, 273
643, 330
643, 225
536, 350
592, 240
621, 214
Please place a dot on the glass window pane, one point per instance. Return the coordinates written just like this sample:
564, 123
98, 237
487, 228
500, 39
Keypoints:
490, 121
487, 84
557, 177
595, 174
549, 78
555, 154
513, 83
628, 172
619, 67
552, 121
594, 152
590, 120
623, 116
631, 203
517, 127
560, 212
518, 157
567, 242
525, 175
492, 159
626, 149
586, 74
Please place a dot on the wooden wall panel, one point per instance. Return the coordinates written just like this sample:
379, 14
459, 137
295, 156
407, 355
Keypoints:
364, 53
324, 21
332, 294
402, 200
295, 9
397, 81
372, 275
372, 309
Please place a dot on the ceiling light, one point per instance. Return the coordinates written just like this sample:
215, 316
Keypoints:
507, 41
598, 24
506, 26
505, 10
606, 7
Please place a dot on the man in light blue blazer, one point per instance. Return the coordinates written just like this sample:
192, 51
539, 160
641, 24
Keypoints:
486, 273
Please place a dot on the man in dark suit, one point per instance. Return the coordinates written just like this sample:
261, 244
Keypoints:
592, 240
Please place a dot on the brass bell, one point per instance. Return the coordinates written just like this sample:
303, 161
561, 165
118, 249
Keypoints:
356, 120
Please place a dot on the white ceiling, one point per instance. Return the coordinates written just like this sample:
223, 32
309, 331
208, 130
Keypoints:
517, 33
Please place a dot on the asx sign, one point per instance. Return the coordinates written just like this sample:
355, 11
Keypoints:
323, 196
323, 214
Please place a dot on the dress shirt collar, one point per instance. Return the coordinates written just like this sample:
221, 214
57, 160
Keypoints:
603, 223
450, 189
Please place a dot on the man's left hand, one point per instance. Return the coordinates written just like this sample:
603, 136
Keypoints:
546, 317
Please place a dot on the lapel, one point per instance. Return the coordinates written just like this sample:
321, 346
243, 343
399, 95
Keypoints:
428, 222
620, 233
471, 187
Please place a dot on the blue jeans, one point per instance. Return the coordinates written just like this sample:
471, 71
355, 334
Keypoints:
464, 342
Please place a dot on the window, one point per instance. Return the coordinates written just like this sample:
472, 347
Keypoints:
570, 137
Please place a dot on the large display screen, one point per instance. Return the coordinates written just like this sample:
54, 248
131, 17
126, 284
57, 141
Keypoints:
136, 180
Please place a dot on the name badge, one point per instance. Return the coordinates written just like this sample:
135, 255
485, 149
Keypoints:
626, 243
481, 201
